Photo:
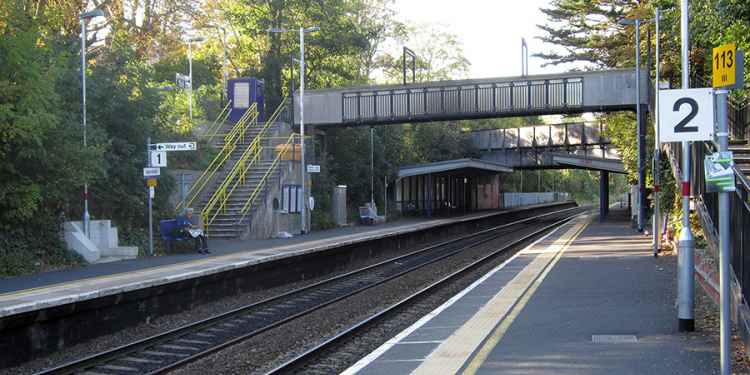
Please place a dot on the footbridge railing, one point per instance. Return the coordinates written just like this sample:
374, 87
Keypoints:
556, 135
459, 100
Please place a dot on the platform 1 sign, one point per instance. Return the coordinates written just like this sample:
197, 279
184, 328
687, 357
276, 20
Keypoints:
158, 158
176, 146
686, 115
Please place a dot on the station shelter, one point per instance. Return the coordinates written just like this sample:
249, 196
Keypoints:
449, 187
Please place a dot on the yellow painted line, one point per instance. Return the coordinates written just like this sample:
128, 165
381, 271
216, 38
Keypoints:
450, 356
497, 335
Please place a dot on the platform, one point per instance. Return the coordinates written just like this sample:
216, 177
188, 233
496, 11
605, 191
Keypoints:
588, 298
35, 292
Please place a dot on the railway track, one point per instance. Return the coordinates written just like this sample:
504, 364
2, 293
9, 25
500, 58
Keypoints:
175, 348
325, 358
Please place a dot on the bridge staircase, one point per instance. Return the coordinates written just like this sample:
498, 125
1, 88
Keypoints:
739, 127
239, 176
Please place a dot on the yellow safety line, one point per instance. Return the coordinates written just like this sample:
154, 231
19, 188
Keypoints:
481, 355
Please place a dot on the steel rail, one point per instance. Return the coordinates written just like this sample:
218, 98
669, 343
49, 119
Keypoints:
299, 361
154, 364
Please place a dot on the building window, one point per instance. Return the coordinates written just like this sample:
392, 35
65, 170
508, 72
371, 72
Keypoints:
242, 95
291, 198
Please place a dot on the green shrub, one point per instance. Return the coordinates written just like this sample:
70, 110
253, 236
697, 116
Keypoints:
37, 247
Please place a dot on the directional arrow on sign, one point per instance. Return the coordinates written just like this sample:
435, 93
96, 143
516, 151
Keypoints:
176, 146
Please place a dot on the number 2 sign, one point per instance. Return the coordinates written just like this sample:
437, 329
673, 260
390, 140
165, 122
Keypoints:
686, 115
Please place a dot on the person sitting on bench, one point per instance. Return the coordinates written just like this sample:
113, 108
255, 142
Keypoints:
191, 229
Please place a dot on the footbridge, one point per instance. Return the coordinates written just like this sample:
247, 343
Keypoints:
566, 93
572, 145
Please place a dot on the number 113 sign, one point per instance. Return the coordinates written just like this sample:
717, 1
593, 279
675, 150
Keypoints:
686, 115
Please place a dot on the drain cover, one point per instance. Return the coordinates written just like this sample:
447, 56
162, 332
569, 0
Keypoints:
614, 339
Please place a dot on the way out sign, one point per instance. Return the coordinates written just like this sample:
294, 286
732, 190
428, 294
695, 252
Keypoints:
686, 115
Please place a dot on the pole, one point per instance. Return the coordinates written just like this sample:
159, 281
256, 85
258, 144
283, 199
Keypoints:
725, 323
303, 167
86, 216
150, 204
225, 63
385, 197
685, 287
657, 149
190, 74
639, 130
372, 167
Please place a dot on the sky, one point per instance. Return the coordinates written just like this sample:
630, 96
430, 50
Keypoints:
490, 30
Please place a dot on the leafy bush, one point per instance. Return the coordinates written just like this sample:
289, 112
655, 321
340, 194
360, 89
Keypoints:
34, 248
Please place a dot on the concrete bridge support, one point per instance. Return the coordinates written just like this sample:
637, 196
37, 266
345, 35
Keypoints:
603, 194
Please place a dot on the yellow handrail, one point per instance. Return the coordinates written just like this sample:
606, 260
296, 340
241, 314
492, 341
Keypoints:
238, 131
213, 130
261, 184
238, 174
230, 143
217, 202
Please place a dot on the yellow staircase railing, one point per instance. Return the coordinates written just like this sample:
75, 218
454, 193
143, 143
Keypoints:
217, 203
286, 147
237, 176
214, 128
231, 139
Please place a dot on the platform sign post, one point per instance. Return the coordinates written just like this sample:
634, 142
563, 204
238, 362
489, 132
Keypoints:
686, 243
727, 66
657, 149
149, 195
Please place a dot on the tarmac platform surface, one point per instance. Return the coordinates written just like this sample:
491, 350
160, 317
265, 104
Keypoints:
35, 292
588, 298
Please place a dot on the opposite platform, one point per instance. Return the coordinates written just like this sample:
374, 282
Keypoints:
35, 292
589, 298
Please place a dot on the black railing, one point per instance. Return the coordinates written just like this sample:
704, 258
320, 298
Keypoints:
708, 208
739, 119
433, 102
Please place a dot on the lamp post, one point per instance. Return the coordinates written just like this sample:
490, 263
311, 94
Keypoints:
225, 60
524, 58
190, 41
303, 167
657, 145
639, 120
85, 16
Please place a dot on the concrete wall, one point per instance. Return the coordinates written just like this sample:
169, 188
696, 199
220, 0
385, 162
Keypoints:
102, 244
266, 222
487, 192
525, 199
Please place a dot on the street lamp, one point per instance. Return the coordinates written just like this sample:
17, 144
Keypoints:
190, 40
303, 168
85, 16
225, 62
639, 127
524, 58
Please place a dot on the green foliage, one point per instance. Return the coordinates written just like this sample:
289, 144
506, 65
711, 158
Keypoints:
34, 248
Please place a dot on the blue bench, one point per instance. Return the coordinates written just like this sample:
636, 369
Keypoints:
168, 230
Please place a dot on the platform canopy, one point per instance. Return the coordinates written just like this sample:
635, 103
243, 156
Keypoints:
474, 166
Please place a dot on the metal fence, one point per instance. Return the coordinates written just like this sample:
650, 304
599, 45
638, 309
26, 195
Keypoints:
739, 118
708, 209
558, 135
461, 100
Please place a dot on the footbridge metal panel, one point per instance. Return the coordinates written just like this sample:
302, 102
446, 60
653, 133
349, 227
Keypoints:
575, 92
